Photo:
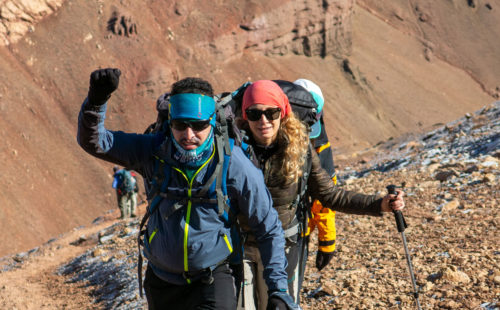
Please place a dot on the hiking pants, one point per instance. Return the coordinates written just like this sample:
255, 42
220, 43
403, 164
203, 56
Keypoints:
127, 203
123, 205
221, 294
133, 204
253, 295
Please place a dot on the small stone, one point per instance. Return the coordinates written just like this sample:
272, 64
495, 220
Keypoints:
127, 230
490, 161
452, 205
449, 304
445, 175
429, 184
455, 276
97, 252
472, 169
433, 167
428, 287
489, 178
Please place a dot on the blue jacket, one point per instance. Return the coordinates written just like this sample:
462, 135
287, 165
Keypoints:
199, 238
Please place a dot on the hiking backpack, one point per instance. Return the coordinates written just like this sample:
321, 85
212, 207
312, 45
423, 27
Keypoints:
303, 104
127, 183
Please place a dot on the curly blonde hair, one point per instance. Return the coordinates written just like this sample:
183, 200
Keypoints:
293, 141
293, 136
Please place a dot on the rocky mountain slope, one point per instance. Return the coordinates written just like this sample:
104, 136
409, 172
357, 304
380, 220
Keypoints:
385, 67
451, 181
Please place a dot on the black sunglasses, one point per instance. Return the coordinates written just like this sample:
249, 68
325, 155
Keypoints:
255, 115
182, 125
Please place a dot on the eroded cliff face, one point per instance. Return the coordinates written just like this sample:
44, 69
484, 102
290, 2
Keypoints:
310, 28
18, 17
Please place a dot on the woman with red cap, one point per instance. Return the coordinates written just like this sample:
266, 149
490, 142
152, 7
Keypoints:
292, 172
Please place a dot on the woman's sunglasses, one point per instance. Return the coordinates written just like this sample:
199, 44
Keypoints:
182, 125
255, 115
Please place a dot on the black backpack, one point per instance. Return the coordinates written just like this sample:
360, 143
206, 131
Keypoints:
303, 104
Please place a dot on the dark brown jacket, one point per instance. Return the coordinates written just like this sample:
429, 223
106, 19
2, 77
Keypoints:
319, 186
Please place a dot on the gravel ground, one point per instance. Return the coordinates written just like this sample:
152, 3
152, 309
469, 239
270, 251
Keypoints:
450, 179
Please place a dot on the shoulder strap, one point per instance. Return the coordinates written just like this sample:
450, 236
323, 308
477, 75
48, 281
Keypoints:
161, 176
221, 127
222, 165
302, 199
301, 196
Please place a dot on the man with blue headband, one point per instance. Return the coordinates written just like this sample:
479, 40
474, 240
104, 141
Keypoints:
197, 187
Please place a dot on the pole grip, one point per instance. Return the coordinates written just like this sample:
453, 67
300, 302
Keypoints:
398, 215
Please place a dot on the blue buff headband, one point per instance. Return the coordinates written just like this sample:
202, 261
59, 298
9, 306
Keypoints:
192, 106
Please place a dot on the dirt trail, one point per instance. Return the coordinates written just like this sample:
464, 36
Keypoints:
36, 284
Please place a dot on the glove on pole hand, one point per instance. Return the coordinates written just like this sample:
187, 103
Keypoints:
322, 259
102, 83
279, 300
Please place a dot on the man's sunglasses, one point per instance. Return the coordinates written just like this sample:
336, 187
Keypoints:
255, 115
182, 125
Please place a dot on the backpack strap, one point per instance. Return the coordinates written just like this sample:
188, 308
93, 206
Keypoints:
229, 215
221, 127
161, 177
224, 146
303, 197
299, 224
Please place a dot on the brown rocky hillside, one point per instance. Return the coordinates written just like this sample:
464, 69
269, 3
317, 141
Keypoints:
450, 178
386, 68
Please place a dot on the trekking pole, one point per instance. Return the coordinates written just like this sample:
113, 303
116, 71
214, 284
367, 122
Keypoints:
401, 224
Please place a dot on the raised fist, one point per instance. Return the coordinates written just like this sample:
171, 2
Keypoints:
102, 83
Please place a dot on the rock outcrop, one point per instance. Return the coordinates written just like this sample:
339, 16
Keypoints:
310, 28
18, 17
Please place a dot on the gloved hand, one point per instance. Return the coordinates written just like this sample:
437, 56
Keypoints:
279, 300
323, 258
102, 83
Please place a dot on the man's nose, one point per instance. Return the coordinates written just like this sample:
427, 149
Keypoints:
189, 133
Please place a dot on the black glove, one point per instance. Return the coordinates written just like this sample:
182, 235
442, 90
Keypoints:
322, 259
102, 83
279, 300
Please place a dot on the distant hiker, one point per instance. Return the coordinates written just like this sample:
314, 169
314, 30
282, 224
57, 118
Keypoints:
188, 240
321, 217
292, 173
126, 191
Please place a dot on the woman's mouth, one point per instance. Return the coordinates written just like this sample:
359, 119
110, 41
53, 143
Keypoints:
265, 129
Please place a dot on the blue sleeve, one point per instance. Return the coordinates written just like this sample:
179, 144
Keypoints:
125, 149
246, 187
115, 182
